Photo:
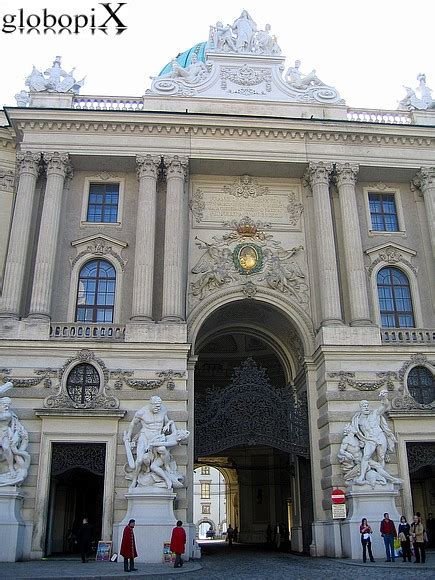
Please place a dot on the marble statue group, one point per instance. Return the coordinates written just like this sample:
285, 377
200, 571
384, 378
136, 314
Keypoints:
14, 440
149, 459
366, 442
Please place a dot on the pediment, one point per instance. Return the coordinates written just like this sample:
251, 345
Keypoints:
99, 245
391, 253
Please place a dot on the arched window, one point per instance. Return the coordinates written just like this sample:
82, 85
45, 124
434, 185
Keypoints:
96, 292
83, 383
421, 385
395, 301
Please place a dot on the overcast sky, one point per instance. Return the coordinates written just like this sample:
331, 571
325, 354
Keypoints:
367, 50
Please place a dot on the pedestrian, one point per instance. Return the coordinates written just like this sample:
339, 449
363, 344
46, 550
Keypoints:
365, 530
178, 542
430, 528
417, 534
128, 547
230, 535
85, 539
405, 540
388, 532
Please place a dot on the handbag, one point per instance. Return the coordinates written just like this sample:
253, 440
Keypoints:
402, 537
366, 536
396, 543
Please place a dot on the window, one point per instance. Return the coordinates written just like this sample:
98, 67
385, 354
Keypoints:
205, 470
205, 508
103, 203
421, 385
205, 491
96, 292
395, 301
383, 212
83, 383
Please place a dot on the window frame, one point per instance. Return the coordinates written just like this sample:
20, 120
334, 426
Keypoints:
397, 313
203, 494
95, 305
205, 470
120, 181
399, 211
430, 371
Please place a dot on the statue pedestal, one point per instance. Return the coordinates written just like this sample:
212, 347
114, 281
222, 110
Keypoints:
12, 527
153, 510
365, 502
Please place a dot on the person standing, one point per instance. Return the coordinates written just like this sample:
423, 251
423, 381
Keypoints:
365, 530
388, 532
178, 543
430, 528
85, 539
230, 535
128, 547
417, 533
404, 537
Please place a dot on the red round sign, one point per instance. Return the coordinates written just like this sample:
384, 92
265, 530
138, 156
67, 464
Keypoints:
338, 496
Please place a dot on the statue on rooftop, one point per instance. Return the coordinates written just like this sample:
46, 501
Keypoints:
244, 28
298, 80
14, 439
411, 102
192, 73
53, 80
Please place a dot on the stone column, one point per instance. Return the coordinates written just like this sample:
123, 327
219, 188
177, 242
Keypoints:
318, 175
345, 177
58, 167
147, 172
174, 276
425, 181
28, 169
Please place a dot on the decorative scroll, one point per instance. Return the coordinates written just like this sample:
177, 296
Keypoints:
250, 411
43, 375
386, 380
247, 187
166, 378
90, 456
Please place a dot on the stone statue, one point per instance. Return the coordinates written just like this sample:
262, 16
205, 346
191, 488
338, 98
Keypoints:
221, 38
56, 80
244, 28
22, 98
411, 101
14, 439
265, 43
365, 445
192, 74
153, 465
296, 79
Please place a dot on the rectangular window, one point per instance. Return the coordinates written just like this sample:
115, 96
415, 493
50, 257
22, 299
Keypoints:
103, 203
383, 212
205, 508
205, 491
205, 470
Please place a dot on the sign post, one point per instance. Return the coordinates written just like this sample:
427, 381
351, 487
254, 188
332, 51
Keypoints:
338, 500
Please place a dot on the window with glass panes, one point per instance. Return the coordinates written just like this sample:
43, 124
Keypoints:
205, 508
205, 491
383, 212
421, 385
96, 292
395, 301
103, 202
205, 470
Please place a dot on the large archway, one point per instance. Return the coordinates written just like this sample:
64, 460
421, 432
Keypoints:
251, 417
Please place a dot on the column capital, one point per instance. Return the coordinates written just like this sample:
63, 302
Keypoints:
147, 166
176, 166
318, 173
346, 173
29, 162
58, 164
424, 179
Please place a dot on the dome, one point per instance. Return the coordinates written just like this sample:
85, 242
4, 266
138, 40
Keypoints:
185, 58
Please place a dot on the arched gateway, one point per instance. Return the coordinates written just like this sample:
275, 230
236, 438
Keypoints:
250, 409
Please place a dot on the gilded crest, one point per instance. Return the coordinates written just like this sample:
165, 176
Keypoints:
248, 258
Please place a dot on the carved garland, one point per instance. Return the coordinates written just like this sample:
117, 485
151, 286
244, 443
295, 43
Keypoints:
165, 378
391, 256
387, 379
43, 375
197, 205
247, 187
294, 209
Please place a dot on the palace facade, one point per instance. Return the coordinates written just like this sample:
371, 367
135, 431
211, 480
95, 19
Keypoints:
239, 243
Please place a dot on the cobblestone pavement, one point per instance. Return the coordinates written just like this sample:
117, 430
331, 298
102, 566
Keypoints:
222, 562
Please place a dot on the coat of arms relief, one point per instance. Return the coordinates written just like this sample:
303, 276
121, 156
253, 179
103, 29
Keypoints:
248, 256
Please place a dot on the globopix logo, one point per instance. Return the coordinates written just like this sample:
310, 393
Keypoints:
103, 18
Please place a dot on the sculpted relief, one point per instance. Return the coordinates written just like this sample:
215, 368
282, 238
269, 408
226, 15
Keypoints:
365, 446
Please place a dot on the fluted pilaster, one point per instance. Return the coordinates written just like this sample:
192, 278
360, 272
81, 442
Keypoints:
318, 176
425, 182
345, 178
174, 283
28, 170
147, 172
58, 167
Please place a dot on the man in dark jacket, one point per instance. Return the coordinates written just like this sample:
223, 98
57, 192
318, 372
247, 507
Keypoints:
128, 547
178, 542
85, 539
388, 532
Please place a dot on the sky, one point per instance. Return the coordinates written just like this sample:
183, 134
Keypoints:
366, 50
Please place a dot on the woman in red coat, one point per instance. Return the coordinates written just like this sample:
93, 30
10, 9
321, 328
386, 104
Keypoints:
178, 541
128, 547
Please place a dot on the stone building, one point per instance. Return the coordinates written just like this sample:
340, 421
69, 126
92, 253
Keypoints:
238, 242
